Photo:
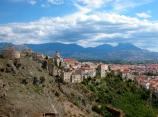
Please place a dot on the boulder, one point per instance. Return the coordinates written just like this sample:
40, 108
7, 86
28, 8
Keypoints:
3, 89
17, 63
10, 67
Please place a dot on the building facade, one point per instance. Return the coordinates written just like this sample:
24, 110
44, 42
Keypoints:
102, 68
66, 76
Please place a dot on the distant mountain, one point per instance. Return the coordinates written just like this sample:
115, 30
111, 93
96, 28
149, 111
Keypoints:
50, 48
4, 45
121, 52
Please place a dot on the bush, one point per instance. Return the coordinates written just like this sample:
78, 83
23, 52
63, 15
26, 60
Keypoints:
124, 95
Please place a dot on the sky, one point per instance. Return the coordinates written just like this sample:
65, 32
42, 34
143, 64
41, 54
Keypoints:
88, 23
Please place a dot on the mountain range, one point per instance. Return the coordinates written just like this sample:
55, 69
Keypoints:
121, 52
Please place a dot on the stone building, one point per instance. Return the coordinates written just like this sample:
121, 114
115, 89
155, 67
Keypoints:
66, 76
127, 75
7, 52
11, 53
57, 59
38, 56
26, 53
88, 72
52, 69
55, 64
69, 61
71, 76
102, 69
16, 55
76, 77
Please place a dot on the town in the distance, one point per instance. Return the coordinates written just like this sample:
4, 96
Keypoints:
70, 70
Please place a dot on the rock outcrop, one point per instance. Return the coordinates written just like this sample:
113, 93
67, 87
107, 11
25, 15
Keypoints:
3, 89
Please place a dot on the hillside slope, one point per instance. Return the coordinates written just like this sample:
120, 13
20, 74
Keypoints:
29, 91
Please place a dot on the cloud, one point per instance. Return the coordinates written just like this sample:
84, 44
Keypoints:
56, 2
124, 5
32, 2
87, 27
114, 6
92, 3
144, 15
48, 3
87, 30
43, 3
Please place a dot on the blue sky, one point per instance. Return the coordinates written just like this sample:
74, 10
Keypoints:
88, 23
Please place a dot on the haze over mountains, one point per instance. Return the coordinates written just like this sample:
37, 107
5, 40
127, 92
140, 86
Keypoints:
121, 52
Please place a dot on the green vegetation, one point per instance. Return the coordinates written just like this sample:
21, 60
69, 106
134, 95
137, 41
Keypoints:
124, 95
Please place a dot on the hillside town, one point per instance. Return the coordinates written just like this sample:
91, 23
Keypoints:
69, 70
